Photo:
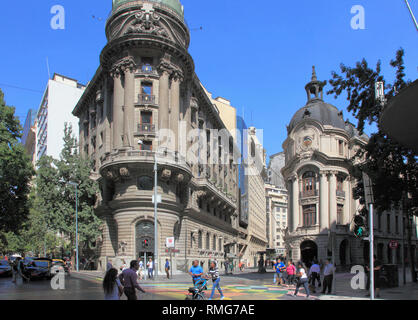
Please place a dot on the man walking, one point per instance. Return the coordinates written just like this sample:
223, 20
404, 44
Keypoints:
150, 267
128, 279
167, 268
196, 271
314, 275
279, 268
328, 276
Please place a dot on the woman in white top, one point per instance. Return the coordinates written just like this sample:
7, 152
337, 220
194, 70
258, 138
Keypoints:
303, 280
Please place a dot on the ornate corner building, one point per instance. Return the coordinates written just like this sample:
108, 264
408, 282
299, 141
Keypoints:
318, 173
146, 83
319, 181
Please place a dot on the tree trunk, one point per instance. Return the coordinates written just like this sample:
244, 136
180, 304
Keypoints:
411, 252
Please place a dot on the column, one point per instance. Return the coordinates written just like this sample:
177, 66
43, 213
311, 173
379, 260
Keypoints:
175, 106
346, 188
295, 202
129, 108
333, 199
163, 101
323, 202
118, 100
289, 206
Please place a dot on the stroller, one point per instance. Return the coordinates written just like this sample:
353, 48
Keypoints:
197, 292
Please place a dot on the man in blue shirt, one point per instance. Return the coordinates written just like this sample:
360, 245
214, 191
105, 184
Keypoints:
196, 271
167, 268
280, 267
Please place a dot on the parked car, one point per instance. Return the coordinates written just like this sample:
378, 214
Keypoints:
5, 269
39, 268
60, 265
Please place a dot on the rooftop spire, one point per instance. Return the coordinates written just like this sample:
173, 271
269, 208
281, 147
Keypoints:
314, 88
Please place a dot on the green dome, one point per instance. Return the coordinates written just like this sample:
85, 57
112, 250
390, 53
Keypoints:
173, 4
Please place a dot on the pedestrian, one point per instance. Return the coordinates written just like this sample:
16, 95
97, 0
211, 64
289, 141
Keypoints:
328, 277
278, 274
128, 279
112, 286
314, 275
231, 266
123, 266
226, 265
303, 280
377, 266
167, 268
196, 271
109, 266
216, 279
150, 267
291, 272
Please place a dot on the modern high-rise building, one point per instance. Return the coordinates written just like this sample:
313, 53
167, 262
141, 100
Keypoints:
145, 104
60, 97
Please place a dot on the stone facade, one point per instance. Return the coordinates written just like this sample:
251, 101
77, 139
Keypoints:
146, 85
319, 179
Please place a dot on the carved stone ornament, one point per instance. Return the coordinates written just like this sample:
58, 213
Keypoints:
177, 75
166, 174
147, 21
124, 172
180, 177
109, 175
121, 66
122, 248
200, 194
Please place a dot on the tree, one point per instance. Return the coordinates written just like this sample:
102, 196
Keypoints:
391, 166
57, 197
15, 172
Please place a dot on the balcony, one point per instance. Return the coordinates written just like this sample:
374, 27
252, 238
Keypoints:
146, 128
340, 193
308, 193
147, 70
146, 99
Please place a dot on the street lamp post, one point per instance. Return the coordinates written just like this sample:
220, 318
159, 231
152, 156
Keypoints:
140, 142
76, 224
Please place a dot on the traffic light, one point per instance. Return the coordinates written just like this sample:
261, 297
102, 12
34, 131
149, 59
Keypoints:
145, 243
360, 226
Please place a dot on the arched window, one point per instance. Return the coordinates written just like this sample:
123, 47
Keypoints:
207, 241
200, 239
308, 184
214, 242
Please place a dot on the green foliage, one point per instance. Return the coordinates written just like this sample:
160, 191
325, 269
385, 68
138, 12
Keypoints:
15, 172
391, 166
57, 198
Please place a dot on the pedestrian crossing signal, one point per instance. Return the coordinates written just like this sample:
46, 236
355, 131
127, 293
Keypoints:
360, 226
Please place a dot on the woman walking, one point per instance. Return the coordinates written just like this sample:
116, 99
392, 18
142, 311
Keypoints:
291, 273
216, 279
112, 287
303, 280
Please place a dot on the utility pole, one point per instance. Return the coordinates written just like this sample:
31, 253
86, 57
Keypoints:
368, 193
412, 14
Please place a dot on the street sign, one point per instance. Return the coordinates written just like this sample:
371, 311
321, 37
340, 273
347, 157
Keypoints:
169, 242
170, 250
368, 189
158, 198
393, 244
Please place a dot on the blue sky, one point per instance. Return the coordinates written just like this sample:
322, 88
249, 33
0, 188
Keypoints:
257, 54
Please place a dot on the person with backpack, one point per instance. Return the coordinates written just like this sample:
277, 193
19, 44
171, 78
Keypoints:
112, 286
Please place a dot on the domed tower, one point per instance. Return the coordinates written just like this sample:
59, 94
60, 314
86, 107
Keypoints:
142, 102
319, 179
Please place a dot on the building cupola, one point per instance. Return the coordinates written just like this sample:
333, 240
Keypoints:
314, 89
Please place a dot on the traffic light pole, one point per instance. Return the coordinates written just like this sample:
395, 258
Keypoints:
371, 252
155, 215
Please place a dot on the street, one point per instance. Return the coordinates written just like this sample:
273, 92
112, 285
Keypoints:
245, 286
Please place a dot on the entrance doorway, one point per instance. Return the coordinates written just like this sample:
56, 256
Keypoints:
309, 252
144, 238
344, 253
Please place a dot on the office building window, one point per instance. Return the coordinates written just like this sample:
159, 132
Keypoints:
340, 214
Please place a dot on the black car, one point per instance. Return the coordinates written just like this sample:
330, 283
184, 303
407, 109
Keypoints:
5, 269
39, 268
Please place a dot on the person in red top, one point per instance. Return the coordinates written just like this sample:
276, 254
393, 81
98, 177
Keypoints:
291, 272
